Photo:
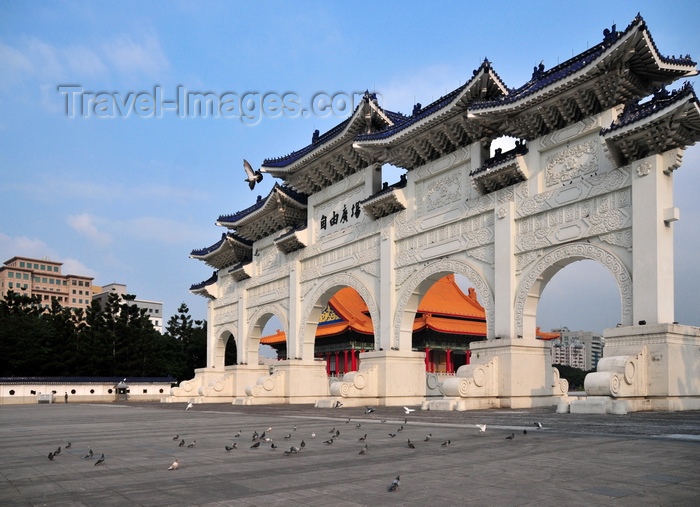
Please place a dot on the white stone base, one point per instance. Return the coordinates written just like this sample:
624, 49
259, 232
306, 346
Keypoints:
651, 367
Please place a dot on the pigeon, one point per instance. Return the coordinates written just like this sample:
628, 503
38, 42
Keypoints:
273, 446
57, 451
295, 449
363, 438
189, 406
392, 435
337, 404
101, 460
252, 177
302, 444
329, 441
255, 436
90, 454
410, 444
176, 437
363, 450
262, 437
358, 425
427, 438
337, 433
409, 410
524, 432
369, 410
237, 435
68, 445
175, 465
394, 486
182, 443
313, 434
400, 428
446, 443
482, 428
538, 424
267, 440
294, 428
332, 431
288, 436
190, 446
231, 447
346, 422
383, 420
287, 452
405, 421
511, 436
269, 428
255, 445
50, 456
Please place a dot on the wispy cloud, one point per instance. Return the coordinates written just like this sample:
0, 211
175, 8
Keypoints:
129, 56
84, 225
11, 246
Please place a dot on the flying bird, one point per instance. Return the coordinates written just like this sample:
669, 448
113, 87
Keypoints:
538, 425
252, 177
369, 410
182, 443
482, 428
190, 446
409, 410
101, 460
189, 406
392, 435
446, 443
511, 436
410, 444
394, 486
175, 465
363, 450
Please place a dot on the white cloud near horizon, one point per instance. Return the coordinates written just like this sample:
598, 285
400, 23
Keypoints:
84, 224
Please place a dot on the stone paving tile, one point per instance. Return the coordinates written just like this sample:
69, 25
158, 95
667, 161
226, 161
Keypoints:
595, 460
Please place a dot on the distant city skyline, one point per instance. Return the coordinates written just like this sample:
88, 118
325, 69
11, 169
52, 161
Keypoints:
126, 192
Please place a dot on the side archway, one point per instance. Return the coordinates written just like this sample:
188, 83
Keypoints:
419, 284
221, 346
533, 284
320, 298
258, 321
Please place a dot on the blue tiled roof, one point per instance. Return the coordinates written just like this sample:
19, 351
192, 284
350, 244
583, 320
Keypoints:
288, 191
212, 279
207, 250
542, 79
324, 138
634, 112
500, 158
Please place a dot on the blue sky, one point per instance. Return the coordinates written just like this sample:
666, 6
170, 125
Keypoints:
126, 198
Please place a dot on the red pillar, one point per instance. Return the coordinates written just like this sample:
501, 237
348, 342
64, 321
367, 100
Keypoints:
328, 364
427, 359
448, 360
354, 360
469, 356
337, 362
345, 361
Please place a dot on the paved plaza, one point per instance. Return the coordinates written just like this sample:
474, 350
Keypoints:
633, 460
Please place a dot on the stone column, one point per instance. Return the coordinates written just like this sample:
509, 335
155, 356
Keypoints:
387, 289
345, 361
504, 275
652, 238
